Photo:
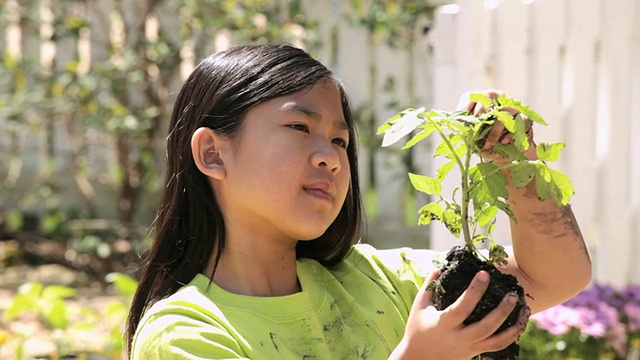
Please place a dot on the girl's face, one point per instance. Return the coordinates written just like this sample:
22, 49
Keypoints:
287, 173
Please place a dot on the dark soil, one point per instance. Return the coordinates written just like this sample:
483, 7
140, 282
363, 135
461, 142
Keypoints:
460, 268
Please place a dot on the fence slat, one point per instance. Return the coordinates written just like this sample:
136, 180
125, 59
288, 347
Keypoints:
613, 147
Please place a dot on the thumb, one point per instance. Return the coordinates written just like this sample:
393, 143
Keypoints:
424, 298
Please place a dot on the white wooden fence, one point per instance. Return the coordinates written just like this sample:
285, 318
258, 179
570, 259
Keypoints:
576, 62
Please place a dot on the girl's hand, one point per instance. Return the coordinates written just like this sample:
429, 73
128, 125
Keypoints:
437, 334
498, 134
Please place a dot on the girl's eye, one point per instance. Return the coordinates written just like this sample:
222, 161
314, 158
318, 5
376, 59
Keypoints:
299, 127
340, 142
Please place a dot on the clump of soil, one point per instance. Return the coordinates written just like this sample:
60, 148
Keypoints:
458, 271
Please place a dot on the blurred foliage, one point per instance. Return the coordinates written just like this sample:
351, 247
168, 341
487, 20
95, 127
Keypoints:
100, 116
53, 308
393, 22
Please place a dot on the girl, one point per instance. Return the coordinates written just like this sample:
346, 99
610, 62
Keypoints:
254, 254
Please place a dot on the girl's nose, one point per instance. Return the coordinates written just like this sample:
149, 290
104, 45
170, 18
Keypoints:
325, 156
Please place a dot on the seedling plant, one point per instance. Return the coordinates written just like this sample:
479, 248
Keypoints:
472, 208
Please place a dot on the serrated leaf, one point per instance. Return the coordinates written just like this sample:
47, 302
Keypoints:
488, 185
427, 130
387, 125
509, 151
522, 173
443, 147
505, 208
384, 127
485, 214
530, 114
444, 169
402, 127
564, 186
520, 137
507, 120
426, 184
498, 255
429, 212
543, 181
484, 99
459, 151
452, 221
554, 184
549, 151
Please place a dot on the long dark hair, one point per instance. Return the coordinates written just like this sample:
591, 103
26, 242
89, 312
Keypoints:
189, 223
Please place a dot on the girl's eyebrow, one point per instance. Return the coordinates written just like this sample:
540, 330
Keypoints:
297, 108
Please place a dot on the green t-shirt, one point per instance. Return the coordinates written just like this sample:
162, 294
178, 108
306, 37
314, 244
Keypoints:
355, 310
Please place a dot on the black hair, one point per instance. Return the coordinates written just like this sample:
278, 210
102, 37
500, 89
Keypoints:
189, 224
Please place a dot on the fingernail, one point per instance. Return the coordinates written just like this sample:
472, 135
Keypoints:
512, 298
483, 276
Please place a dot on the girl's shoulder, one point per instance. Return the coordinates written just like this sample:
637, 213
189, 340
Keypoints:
187, 317
399, 262
370, 272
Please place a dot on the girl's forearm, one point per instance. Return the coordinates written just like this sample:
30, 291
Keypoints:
551, 259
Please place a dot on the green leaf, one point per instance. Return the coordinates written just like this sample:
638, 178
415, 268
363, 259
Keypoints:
20, 304
509, 151
54, 292
522, 173
488, 185
31, 291
459, 151
484, 99
505, 208
427, 130
479, 239
549, 151
387, 125
485, 214
498, 255
564, 185
554, 184
520, 137
530, 114
506, 119
444, 169
443, 147
452, 221
401, 127
429, 212
125, 285
55, 313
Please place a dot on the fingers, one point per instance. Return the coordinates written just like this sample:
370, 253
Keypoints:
492, 321
457, 312
507, 336
425, 296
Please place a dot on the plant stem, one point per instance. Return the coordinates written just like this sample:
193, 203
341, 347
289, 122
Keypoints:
464, 211
464, 172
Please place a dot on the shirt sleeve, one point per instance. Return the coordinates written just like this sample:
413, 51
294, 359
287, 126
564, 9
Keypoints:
180, 330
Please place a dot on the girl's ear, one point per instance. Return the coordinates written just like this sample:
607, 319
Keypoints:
205, 145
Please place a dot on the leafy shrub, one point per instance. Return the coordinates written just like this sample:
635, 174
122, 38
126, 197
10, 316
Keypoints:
67, 321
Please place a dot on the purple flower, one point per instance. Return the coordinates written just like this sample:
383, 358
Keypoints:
632, 311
